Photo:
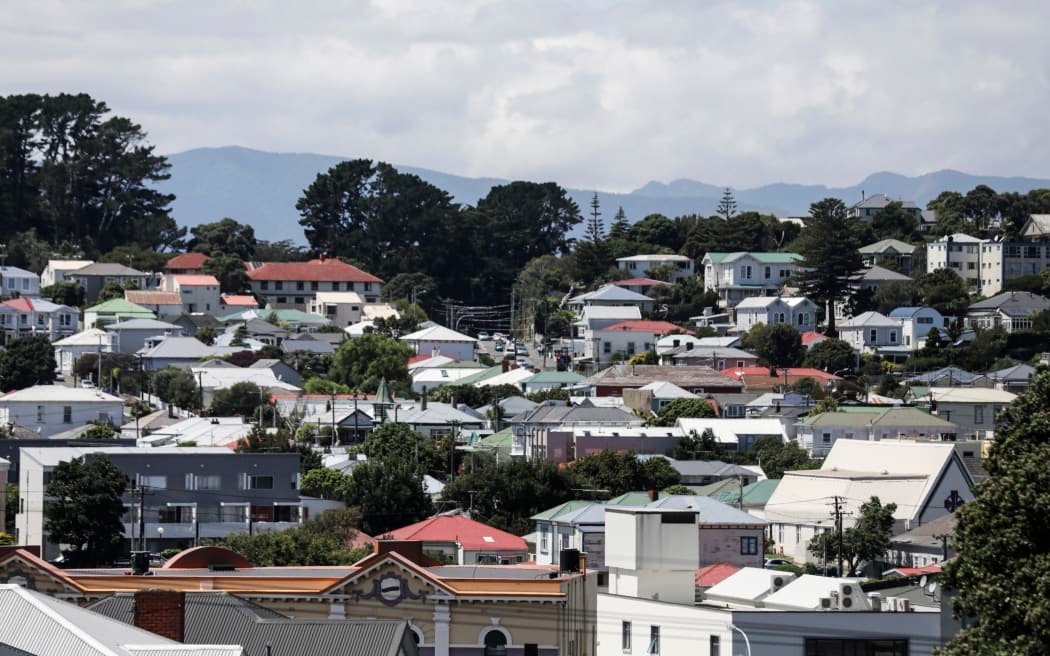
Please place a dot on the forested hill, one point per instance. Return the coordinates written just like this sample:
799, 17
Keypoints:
261, 188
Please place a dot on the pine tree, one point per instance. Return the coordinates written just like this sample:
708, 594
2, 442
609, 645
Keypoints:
592, 253
595, 227
828, 245
727, 206
620, 225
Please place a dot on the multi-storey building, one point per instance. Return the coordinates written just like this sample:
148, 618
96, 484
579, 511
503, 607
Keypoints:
295, 284
958, 252
736, 276
24, 317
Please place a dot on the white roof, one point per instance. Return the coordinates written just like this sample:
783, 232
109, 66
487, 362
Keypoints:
15, 272
68, 265
748, 585
143, 324
52, 455
444, 375
731, 340
805, 593
599, 401
962, 238
759, 302
339, 297
587, 430
379, 311
612, 293
664, 390
436, 361
205, 431
870, 319
358, 329
88, 337
622, 312
222, 378
727, 431
655, 257
60, 393
512, 377
970, 395
37, 623
437, 334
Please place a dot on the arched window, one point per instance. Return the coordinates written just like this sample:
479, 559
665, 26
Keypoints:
495, 643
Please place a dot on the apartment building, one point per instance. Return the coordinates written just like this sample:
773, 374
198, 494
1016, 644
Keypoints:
959, 252
295, 284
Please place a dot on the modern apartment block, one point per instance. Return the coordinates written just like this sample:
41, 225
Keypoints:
175, 497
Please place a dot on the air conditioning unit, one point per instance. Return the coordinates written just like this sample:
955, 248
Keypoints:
847, 602
825, 603
778, 582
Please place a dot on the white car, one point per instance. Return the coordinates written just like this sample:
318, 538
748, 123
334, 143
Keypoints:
484, 336
87, 384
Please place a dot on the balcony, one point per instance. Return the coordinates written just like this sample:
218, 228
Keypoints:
188, 531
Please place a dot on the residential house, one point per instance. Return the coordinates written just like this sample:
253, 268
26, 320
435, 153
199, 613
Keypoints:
465, 610
811, 338
589, 431
194, 431
443, 341
26, 316
186, 263
42, 625
191, 323
640, 265
57, 270
342, 308
626, 338
1010, 311
873, 332
736, 276
916, 324
974, 410
818, 433
443, 373
916, 476
433, 419
281, 371
654, 396
15, 282
298, 320
69, 349
949, 377
958, 252
671, 343
230, 303
1012, 379
892, 252
613, 380
639, 285
213, 617
181, 352
734, 405
293, 284
1004, 261
1036, 228
463, 541
870, 207
194, 492
596, 317
576, 524
130, 336
94, 277
926, 544
548, 380
764, 378
716, 357
875, 278
698, 473
114, 310
199, 292
257, 329
213, 379
796, 311
160, 303
611, 296
51, 409
735, 434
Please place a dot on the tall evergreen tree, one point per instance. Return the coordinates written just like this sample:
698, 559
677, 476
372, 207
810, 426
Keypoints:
727, 206
620, 225
828, 245
595, 227
592, 254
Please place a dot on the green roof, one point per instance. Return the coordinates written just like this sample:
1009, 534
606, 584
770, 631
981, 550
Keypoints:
895, 417
382, 393
565, 377
632, 499
561, 509
123, 307
755, 494
500, 439
484, 374
764, 258
286, 315
462, 364
724, 486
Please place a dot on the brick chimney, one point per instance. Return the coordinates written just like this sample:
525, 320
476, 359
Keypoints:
162, 612
410, 549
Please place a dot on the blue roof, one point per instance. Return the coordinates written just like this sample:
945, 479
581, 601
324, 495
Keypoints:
905, 311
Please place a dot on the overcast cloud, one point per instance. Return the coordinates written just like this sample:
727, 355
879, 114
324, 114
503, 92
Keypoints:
603, 95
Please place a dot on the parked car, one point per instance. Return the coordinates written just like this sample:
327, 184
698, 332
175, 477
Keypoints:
484, 336
776, 562
87, 384
499, 346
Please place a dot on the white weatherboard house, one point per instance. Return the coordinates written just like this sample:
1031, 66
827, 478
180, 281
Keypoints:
638, 266
18, 282
68, 350
57, 270
51, 409
797, 311
917, 476
736, 276
443, 341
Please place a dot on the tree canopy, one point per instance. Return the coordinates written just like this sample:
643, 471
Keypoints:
779, 345
828, 245
324, 539
26, 362
831, 355
867, 540
670, 413
616, 472
362, 362
240, 399
85, 509
224, 237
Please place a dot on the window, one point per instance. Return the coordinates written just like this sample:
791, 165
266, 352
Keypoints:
748, 545
298, 300
873, 335
716, 647
978, 414
289, 513
175, 515
746, 272
300, 286
264, 285
40, 414
208, 482
606, 347
532, 649
495, 643
893, 337
564, 540
260, 482
368, 286
234, 513
544, 541
153, 482
67, 414
313, 286
282, 299
278, 285
859, 647
654, 639
768, 273
630, 348
625, 636
825, 438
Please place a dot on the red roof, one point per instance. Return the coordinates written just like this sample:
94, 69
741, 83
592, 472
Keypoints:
195, 279
322, 270
714, 574
186, 261
240, 299
812, 337
152, 297
639, 282
21, 304
934, 568
642, 326
739, 373
471, 535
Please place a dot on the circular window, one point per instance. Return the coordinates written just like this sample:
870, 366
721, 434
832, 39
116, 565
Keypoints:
495, 644
390, 588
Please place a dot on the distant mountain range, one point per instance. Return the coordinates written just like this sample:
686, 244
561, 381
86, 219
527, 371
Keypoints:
261, 188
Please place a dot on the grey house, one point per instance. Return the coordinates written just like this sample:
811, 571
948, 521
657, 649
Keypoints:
188, 493
95, 276
130, 336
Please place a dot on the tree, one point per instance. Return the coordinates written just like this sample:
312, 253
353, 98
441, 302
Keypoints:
616, 472
670, 413
389, 495
867, 540
778, 346
229, 271
114, 289
831, 355
325, 483
85, 509
592, 254
26, 362
322, 540
398, 445
776, 456
284, 250
417, 288
727, 206
828, 244
64, 293
177, 387
894, 223
362, 362
620, 225
1002, 536
224, 237
98, 432
136, 257
239, 399
943, 290
657, 230
698, 447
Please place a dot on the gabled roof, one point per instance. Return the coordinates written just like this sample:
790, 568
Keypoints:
812, 337
956, 375
59, 393
89, 337
888, 245
881, 201
762, 258
186, 261
762, 302
662, 389
654, 257
142, 324
319, 270
558, 377
910, 311
622, 312
121, 307
639, 282
970, 395
960, 238
466, 532
905, 417
28, 304
611, 294
878, 273
185, 348
238, 300
562, 509
107, 269
437, 334
152, 297
1013, 303
1018, 372
643, 326
192, 279
15, 272
1037, 225
870, 319
714, 574
711, 511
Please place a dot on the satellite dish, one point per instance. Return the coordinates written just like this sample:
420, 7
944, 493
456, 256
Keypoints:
922, 581
931, 589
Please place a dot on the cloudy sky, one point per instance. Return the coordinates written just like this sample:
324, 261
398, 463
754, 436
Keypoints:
593, 94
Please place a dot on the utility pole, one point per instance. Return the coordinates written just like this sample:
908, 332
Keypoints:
511, 331
839, 503
142, 516
740, 497
200, 391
